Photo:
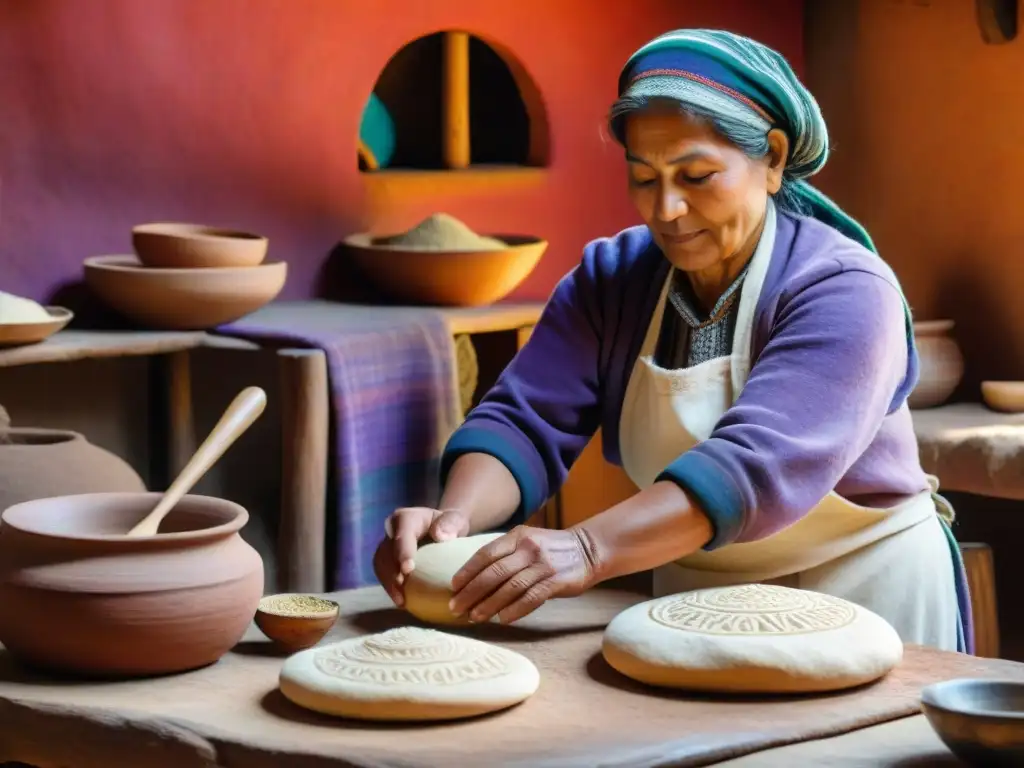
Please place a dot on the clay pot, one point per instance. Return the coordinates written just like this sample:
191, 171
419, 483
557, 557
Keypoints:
183, 299
446, 278
172, 245
20, 334
78, 596
38, 463
942, 364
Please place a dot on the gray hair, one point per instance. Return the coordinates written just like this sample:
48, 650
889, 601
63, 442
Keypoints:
740, 127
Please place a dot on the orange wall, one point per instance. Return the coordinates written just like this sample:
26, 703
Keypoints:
246, 114
927, 123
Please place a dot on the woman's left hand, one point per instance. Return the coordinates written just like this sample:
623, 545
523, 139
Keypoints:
518, 572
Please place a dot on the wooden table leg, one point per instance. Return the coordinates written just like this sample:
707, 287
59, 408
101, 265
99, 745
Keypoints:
981, 581
305, 415
172, 422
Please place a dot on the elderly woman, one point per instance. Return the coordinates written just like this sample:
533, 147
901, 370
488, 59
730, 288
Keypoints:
748, 358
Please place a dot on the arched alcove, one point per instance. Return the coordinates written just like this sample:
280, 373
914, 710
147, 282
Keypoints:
452, 101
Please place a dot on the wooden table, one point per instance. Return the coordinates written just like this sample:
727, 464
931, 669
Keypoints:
231, 714
305, 416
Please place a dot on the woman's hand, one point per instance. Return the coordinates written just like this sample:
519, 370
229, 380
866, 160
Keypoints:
517, 573
404, 529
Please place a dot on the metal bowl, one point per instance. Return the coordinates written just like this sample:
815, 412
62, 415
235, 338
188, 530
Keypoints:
981, 721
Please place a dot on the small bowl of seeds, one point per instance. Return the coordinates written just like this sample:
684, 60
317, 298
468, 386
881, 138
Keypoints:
295, 622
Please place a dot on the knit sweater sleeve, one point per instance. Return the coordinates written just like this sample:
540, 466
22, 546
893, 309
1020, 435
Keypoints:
834, 366
545, 406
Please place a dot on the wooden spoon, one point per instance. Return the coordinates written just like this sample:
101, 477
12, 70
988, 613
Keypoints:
239, 416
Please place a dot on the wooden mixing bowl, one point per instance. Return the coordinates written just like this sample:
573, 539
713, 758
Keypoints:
19, 334
79, 596
172, 245
182, 299
447, 278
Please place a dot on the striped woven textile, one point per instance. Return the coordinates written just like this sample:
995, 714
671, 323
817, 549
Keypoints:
394, 403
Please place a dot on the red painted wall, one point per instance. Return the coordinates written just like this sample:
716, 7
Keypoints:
245, 113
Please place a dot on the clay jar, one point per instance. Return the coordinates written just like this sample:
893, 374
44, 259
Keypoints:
36, 463
78, 596
942, 364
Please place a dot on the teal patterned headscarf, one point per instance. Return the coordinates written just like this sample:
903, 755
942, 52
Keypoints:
730, 75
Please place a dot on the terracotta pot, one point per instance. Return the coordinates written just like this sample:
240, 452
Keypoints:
78, 596
182, 299
38, 463
446, 278
942, 364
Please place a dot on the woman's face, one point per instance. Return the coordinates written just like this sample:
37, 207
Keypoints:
702, 198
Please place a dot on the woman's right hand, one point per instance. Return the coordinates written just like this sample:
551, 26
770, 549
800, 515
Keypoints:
404, 530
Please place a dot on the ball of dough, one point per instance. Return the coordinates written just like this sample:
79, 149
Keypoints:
409, 673
753, 638
429, 587
14, 310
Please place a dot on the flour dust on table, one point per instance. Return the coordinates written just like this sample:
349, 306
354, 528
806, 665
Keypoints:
752, 638
428, 589
408, 674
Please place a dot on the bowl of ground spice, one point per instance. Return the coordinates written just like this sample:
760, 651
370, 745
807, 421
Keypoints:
442, 262
296, 622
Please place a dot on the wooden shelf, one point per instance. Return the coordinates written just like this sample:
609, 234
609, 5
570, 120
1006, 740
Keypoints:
406, 182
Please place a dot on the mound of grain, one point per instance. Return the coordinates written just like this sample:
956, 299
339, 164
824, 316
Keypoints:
14, 310
442, 232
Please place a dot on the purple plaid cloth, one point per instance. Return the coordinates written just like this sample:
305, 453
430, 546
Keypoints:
394, 402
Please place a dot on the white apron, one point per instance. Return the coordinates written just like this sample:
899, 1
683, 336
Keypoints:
895, 561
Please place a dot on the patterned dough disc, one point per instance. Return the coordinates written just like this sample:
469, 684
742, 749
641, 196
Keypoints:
408, 673
752, 638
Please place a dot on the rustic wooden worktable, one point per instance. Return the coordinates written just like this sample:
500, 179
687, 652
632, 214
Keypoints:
231, 714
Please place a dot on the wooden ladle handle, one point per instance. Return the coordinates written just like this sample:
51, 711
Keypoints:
239, 416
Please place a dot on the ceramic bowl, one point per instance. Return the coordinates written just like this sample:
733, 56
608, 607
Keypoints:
981, 721
78, 596
182, 299
19, 334
447, 278
295, 622
171, 245
1004, 396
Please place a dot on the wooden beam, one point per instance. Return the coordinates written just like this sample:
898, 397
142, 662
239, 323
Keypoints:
456, 100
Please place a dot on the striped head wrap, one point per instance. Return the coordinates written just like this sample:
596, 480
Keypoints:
733, 76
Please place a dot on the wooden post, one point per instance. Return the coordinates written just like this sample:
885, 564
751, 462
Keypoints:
305, 415
981, 580
456, 100
182, 438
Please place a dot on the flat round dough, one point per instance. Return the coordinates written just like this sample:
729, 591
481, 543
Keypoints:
753, 638
429, 587
408, 673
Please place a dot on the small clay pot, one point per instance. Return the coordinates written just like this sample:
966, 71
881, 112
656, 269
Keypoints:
296, 622
942, 364
171, 245
38, 463
79, 596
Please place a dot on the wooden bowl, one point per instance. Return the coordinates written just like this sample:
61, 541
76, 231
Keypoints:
170, 245
447, 278
1004, 396
295, 622
77, 595
182, 299
981, 721
18, 334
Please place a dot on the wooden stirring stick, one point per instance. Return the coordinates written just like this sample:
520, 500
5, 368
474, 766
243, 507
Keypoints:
239, 416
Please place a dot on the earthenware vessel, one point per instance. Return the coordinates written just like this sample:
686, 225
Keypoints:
296, 622
21, 334
78, 596
37, 463
446, 277
172, 245
182, 299
942, 364
1003, 396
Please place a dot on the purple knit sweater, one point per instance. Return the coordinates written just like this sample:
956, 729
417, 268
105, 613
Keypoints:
824, 407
